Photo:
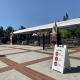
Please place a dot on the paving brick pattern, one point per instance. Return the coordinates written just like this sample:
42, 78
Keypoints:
21, 67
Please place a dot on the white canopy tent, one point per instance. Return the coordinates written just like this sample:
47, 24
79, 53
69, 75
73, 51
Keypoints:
34, 34
73, 23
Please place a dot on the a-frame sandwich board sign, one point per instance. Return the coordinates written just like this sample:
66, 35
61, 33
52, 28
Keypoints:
61, 59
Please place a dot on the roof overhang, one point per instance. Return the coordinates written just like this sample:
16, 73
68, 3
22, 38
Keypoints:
68, 24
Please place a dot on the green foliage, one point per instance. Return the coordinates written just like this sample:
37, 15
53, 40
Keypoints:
58, 20
66, 17
66, 34
71, 33
22, 27
74, 32
77, 32
1, 32
8, 31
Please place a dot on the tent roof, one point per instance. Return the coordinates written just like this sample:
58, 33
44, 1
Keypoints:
73, 23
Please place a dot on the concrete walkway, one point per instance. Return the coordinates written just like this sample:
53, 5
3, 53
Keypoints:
22, 62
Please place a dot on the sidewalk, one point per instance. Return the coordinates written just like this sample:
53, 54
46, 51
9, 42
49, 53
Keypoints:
23, 62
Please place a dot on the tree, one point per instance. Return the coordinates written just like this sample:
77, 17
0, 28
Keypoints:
73, 32
66, 17
1, 32
8, 31
66, 34
58, 20
22, 27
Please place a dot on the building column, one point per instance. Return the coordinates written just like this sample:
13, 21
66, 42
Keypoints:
49, 37
43, 41
18, 38
58, 36
27, 38
39, 38
29, 35
77, 32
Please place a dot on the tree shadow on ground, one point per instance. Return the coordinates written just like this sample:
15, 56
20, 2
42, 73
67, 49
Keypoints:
2, 55
73, 70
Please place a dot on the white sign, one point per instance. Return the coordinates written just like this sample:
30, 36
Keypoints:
60, 59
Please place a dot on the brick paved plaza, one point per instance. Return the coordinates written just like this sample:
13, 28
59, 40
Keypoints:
22, 62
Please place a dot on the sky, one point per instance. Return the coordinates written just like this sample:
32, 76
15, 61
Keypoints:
31, 13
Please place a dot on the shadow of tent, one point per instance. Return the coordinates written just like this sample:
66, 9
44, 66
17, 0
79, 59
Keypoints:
73, 70
2, 56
